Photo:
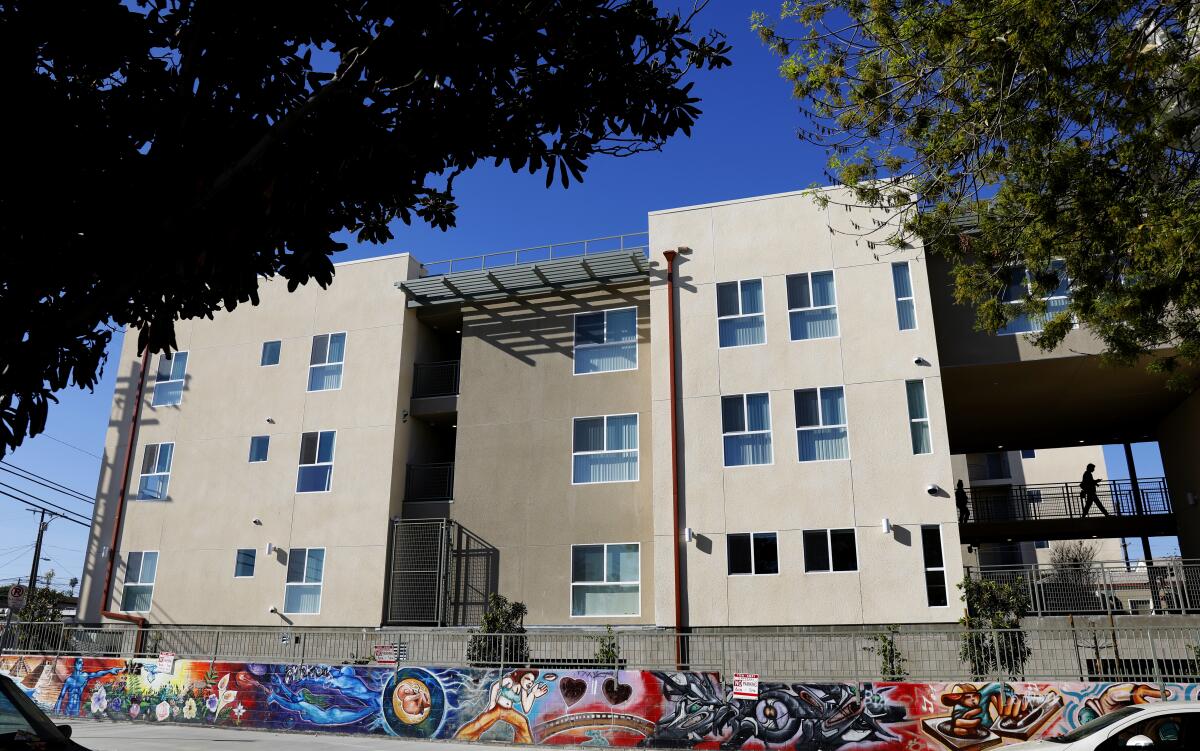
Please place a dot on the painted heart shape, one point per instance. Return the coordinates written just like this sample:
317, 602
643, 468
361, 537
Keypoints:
572, 690
617, 693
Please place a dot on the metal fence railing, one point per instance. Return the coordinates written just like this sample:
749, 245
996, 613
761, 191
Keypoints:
429, 482
634, 241
1087, 652
1005, 503
1171, 586
435, 379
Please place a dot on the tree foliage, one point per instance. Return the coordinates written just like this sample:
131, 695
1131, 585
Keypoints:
168, 154
1066, 134
500, 639
992, 641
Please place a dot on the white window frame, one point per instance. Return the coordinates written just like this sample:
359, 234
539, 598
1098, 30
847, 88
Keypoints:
927, 568
913, 420
911, 297
833, 274
763, 314
303, 576
1034, 326
181, 380
278, 354
604, 580
576, 347
753, 560
746, 421
328, 362
142, 475
829, 551
139, 583
638, 466
253, 564
822, 425
250, 454
300, 463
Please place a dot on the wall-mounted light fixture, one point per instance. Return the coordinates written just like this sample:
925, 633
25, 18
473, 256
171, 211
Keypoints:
688, 534
887, 526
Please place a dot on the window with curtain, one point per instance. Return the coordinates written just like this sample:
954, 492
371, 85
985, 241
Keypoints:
606, 341
168, 381
821, 424
325, 364
606, 579
906, 311
270, 353
605, 449
243, 565
1019, 286
740, 319
935, 566
305, 577
746, 429
140, 570
828, 550
156, 471
918, 418
259, 445
316, 462
812, 305
752, 554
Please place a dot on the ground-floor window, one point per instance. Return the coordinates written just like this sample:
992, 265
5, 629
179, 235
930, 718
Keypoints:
606, 579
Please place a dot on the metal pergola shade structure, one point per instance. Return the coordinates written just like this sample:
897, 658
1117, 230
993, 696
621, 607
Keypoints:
531, 277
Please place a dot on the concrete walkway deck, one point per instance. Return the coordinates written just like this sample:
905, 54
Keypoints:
114, 736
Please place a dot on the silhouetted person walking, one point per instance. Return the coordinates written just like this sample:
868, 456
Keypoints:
1088, 491
960, 500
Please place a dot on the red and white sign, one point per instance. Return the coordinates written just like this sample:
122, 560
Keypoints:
16, 597
385, 654
745, 685
166, 662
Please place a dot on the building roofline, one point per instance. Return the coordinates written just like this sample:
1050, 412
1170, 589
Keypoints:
372, 258
747, 199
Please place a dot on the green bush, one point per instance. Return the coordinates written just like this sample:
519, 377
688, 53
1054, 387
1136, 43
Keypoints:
500, 639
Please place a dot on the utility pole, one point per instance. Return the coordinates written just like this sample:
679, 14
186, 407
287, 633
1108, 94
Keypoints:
37, 552
1137, 500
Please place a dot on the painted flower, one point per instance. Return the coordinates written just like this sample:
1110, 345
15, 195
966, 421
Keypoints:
227, 697
162, 711
211, 703
189, 709
115, 704
174, 709
134, 709
99, 700
238, 711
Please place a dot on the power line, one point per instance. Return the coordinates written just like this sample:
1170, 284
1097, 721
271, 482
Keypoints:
71, 445
18, 555
43, 500
48, 511
46, 482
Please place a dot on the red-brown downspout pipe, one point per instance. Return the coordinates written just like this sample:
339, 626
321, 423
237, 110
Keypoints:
116, 533
671, 346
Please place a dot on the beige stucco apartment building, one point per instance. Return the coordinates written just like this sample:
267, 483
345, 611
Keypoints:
395, 448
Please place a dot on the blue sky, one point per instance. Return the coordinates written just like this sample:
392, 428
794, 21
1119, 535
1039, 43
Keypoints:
744, 144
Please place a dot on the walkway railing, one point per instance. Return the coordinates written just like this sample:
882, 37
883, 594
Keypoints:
1170, 586
429, 482
634, 241
1005, 503
1095, 653
435, 379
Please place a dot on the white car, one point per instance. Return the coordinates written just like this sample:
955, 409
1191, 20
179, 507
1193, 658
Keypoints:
1170, 725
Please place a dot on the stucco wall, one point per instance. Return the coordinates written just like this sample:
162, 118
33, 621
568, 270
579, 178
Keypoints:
769, 238
214, 492
587, 707
1179, 442
518, 399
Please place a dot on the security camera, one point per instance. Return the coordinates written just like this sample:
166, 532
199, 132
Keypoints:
256, 521
273, 610
932, 489
918, 360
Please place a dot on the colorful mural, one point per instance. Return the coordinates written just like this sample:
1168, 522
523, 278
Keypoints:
583, 707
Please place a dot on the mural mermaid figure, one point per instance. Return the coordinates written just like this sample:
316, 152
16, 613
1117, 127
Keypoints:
315, 709
71, 697
519, 687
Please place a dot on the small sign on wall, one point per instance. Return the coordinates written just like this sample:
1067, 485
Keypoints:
166, 663
386, 654
745, 685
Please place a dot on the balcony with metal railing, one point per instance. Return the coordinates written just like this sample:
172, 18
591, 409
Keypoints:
432, 379
1059, 511
1167, 587
429, 482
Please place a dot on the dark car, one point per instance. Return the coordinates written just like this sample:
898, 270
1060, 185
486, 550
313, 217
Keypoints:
25, 727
